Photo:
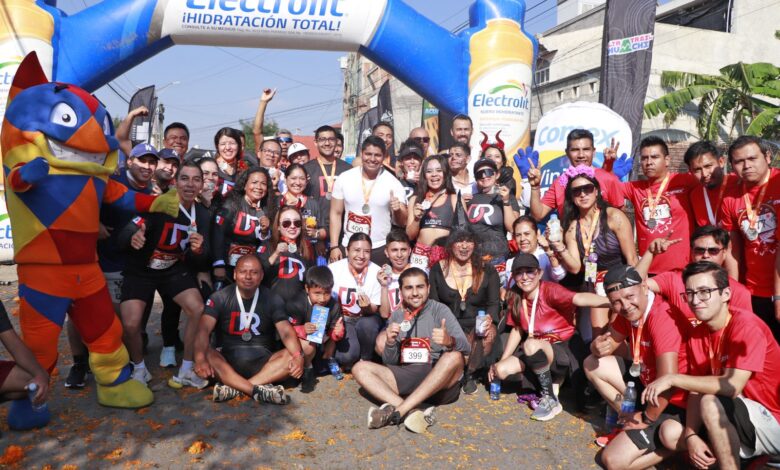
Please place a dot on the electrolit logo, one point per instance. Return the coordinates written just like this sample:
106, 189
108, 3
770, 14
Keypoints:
495, 97
8, 70
275, 7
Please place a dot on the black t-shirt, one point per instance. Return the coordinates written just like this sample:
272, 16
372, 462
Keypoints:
5, 322
318, 185
299, 310
486, 221
223, 306
486, 297
285, 277
236, 231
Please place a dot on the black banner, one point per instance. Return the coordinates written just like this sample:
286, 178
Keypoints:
627, 52
382, 112
141, 130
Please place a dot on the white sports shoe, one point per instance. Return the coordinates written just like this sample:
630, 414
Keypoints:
168, 356
142, 375
190, 379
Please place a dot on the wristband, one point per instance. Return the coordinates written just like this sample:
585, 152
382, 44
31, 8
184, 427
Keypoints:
535, 187
690, 436
775, 298
646, 419
507, 204
335, 247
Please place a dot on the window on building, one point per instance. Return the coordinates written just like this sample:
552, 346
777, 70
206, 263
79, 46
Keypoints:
560, 96
575, 91
542, 74
593, 87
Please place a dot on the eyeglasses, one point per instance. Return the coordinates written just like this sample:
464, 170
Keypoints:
288, 223
585, 189
529, 273
703, 294
275, 153
421, 139
486, 173
286, 140
712, 250
326, 140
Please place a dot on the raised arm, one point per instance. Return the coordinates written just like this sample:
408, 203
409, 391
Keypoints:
257, 125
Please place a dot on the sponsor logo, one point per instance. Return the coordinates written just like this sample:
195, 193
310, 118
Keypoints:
631, 44
499, 97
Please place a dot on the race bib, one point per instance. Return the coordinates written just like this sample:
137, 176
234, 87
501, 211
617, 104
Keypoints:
358, 223
415, 351
662, 211
237, 251
160, 260
420, 258
591, 271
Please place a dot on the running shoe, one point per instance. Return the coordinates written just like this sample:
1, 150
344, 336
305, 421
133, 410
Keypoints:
603, 441
269, 394
189, 379
469, 385
547, 409
142, 375
224, 393
168, 356
419, 421
77, 376
383, 416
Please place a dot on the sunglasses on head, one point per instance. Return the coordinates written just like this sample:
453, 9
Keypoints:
421, 139
486, 173
586, 189
285, 139
288, 223
713, 250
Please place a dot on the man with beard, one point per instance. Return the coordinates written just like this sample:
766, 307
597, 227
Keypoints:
706, 163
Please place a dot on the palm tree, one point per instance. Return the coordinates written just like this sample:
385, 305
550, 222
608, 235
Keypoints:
747, 95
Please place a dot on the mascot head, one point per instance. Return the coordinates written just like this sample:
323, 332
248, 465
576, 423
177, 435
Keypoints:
62, 123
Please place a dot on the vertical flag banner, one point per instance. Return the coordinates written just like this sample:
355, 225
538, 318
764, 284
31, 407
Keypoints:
142, 125
430, 120
627, 52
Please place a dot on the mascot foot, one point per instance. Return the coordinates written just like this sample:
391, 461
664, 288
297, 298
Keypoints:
22, 417
129, 394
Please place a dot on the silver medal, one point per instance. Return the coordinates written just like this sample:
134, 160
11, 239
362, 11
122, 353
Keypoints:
651, 223
328, 195
462, 305
751, 234
246, 336
635, 369
192, 229
388, 270
292, 247
406, 325
366, 208
426, 204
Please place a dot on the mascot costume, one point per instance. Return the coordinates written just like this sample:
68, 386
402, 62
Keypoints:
58, 153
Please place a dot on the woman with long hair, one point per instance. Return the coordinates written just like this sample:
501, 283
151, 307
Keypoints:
467, 286
288, 254
433, 214
314, 216
243, 222
596, 235
210, 196
227, 141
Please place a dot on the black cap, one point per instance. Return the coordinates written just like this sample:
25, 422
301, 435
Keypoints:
524, 261
411, 150
621, 276
485, 162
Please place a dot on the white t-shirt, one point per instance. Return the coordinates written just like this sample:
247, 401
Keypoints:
345, 288
377, 223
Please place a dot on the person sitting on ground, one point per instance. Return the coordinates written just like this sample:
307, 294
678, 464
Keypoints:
247, 362
552, 344
319, 284
423, 359
733, 409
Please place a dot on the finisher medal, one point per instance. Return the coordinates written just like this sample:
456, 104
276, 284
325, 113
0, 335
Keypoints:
328, 195
366, 208
751, 233
426, 205
635, 369
246, 336
406, 325
292, 247
462, 305
651, 224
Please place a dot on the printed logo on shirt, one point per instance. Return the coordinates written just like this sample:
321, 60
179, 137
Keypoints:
481, 213
290, 268
173, 235
766, 224
324, 189
247, 224
234, 328
219, 220
138, 221
209, 303
348, 298
394, 296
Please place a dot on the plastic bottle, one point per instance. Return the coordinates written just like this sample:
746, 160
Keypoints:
480, 326
335, 370
495, 389
554, 226
500, 76
610, 418
628, 406
32, 390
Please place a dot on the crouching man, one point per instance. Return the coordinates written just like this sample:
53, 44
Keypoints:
246, 317
424, 357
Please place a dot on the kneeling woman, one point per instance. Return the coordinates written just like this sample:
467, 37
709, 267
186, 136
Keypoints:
545, 312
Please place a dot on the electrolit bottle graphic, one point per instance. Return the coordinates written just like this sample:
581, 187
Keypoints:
500, 77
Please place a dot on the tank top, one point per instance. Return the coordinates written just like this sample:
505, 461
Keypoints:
606, 245
439, 217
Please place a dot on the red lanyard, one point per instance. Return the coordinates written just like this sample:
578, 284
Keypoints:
714, 353
360, 278
409, 315
752, 215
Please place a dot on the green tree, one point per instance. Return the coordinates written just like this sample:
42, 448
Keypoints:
270, 127
745, 98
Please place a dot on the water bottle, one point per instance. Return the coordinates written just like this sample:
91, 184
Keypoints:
628, 406
480, 326
335, 370
610, 418
32, 390
495, 389
554, 226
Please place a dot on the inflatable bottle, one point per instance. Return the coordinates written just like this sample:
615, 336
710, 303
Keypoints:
500, 77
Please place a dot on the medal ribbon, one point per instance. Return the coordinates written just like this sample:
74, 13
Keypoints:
433, 197
710, 213
462, 288
410, 314
360, 278
652, 202
752, 215
587, 239
328, 179
714, 354
246, 317
530, 320
636, 333
367, 192
189, 213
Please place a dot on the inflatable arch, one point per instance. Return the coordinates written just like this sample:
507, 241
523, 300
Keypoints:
485, 71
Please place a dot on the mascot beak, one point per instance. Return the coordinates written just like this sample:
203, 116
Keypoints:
89, 138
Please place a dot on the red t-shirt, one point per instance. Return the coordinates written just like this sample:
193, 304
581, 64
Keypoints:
554, 319
761, 357
672, 214
759, 254
699, 206
610, 190
671, 287
661, 334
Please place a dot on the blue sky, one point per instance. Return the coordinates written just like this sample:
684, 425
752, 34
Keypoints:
219, 86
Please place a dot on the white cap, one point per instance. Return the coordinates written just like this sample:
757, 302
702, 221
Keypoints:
296, 147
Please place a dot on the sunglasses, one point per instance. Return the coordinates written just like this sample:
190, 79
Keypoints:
712, 251
288, 223
286, 140
421, 139
531, 273
585, 189
486, 173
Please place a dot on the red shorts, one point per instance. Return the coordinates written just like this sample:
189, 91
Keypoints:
5, 369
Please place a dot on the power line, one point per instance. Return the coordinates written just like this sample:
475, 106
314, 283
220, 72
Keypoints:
329, 88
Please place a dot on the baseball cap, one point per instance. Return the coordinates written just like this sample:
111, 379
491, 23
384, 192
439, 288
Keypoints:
524, 261
169, 154
485, 162
296, 147
411, 150
143, 149
621, 276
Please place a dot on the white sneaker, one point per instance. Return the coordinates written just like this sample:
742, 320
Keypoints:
190, 379
168, 356
142, 375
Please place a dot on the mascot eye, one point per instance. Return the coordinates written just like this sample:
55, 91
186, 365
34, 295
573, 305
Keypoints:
64, 115
107, 125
